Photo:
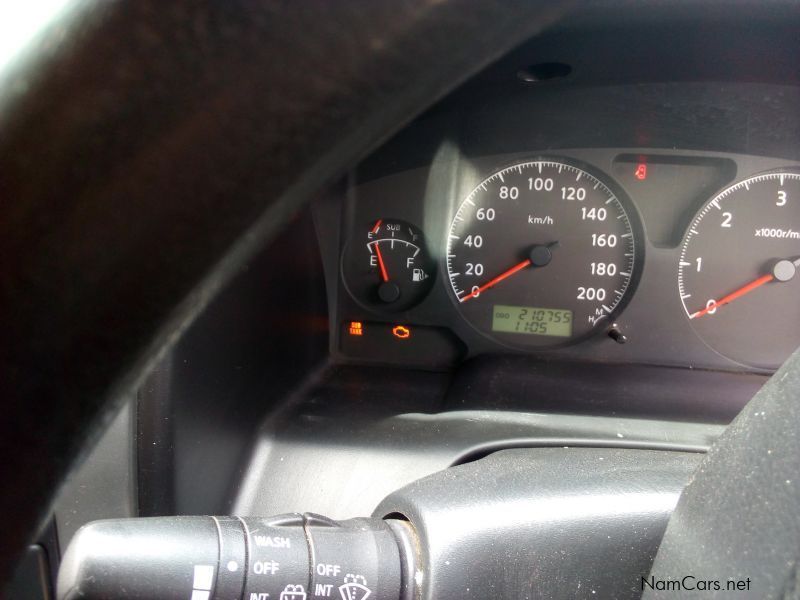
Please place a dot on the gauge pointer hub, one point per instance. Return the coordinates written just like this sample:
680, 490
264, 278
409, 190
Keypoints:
388, 292
540, 256
783, 271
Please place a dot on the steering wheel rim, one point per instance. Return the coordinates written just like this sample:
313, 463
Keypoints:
148, 148
739, 517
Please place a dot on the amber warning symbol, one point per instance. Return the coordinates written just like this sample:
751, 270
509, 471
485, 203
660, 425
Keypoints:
402, 332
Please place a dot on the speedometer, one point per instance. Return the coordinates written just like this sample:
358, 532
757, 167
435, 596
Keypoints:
541, 253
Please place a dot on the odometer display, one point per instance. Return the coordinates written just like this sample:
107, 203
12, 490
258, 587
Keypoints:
544, 233
533, 320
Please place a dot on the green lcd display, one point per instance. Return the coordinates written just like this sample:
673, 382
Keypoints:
532, 320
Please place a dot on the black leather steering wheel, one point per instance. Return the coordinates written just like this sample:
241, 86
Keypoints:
148, 148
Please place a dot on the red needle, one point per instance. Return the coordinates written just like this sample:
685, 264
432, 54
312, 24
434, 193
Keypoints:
384, 274
745, 289
504, 275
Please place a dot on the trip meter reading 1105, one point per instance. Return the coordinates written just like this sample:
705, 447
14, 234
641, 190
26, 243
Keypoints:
541, 253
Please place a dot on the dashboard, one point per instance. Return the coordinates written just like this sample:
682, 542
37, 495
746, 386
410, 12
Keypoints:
540, 211
625, 254
586, 251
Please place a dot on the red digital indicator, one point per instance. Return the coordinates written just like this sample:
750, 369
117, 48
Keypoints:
356, 328
641, 171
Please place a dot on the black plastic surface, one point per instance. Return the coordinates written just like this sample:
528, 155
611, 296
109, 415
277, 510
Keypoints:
31, 579
104, 487
547, 523
353, 560
233, 557
165, 558
360, 433
198, 410
644, 391
278, 558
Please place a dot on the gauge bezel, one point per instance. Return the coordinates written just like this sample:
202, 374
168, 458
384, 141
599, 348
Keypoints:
639, 252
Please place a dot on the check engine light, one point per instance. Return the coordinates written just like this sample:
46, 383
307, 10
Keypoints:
393, 343
402, 332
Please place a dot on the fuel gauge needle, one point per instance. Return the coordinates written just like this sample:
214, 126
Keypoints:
384, 272
783, 270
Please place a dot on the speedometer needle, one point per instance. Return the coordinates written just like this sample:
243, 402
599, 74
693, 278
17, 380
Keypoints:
504, 275
540, 256
783, 270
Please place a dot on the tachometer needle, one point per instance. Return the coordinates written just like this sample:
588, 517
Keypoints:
783, 270
745, 289
504, 275
384, 273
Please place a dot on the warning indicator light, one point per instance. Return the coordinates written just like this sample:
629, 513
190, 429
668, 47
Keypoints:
641, 171
399, 331
356, 328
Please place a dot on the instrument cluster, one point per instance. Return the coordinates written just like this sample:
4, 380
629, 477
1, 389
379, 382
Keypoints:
657, 256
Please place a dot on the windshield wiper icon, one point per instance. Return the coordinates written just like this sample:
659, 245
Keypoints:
354, 588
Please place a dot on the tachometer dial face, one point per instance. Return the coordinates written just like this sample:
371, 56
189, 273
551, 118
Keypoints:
541, 253
737, 276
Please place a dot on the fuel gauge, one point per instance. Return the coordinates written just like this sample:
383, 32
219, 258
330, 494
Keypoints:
387, 266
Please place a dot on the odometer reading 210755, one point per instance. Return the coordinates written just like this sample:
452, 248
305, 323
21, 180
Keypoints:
541, 253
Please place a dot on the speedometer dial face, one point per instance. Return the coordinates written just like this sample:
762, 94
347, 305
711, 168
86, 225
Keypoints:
737, 275
541, 253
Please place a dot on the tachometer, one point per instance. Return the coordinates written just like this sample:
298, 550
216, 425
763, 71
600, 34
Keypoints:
737, 276
541, 253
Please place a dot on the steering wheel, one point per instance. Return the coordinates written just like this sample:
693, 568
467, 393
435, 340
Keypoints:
148, 149
739, 517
